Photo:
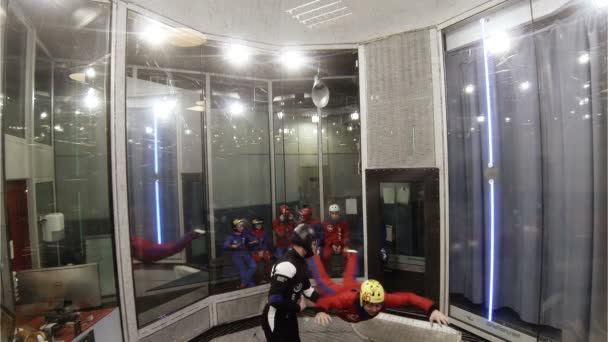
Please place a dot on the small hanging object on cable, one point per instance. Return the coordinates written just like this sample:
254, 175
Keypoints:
320, 92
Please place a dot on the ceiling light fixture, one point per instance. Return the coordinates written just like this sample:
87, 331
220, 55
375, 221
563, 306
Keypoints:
91, 101
498, 43
154, 34
237, 54
164, 108
292, 60
236, 108
90, 72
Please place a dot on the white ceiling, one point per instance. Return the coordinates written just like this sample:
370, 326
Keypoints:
266, 21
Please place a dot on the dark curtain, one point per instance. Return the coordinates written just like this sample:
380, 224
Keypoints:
549, 106
573, 112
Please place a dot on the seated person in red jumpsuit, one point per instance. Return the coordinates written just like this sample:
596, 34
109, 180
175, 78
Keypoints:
335, 234
259, 244
283, 227
148, 251
355, 302
306, 217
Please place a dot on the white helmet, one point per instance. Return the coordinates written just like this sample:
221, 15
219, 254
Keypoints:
334, 208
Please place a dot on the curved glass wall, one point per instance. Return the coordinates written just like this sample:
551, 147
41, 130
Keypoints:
201, 155
57, 221
526, 102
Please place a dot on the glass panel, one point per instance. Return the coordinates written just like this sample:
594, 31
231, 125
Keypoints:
341, 132
64, 237
45, 204
571, 46
166, 169
240, 159
199, 154
495, 171
402, 213
14, 75
43, 94
7, 300
296, 146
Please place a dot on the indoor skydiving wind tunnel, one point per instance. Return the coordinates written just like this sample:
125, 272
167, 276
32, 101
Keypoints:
157, 156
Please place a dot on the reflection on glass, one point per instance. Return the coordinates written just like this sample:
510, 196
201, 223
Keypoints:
341, 132
296, 146
525, 107
199, 160
165, 171
56, 181
403, 220
571, 45
240, 160
43, 106
13, 103
298, 131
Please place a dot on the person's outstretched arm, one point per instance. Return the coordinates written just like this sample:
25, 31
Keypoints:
148, 251
399, 299
339, 301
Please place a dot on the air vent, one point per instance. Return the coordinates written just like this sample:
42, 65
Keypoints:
320, 12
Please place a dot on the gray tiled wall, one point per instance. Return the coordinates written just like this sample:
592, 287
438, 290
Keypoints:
400, 126
240, 308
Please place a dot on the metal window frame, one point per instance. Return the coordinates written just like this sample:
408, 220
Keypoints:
439, 110
363, 110
118, 150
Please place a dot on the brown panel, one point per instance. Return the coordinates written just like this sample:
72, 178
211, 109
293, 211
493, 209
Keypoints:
18, 226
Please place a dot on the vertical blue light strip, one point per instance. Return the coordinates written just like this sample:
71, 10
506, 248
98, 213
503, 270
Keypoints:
490, 165
491, 302
155, 145
158, 230
159, 237
488, 102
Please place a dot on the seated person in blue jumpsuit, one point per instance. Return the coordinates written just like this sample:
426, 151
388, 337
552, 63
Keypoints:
238, 243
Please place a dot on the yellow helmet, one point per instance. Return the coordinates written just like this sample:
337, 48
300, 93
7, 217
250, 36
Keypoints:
372, 292
237, 221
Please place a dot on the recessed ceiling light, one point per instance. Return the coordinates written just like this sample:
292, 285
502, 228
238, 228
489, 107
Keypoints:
237, 54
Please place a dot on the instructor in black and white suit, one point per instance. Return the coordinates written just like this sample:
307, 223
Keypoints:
289, 281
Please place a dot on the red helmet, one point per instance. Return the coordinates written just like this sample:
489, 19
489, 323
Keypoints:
306, 214
284, 209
